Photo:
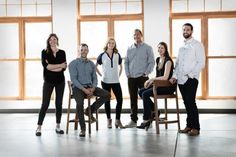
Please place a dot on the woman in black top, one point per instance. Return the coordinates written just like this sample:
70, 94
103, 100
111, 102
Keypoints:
54, 65
164, 71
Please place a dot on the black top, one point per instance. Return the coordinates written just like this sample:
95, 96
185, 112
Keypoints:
160, 72
48, 58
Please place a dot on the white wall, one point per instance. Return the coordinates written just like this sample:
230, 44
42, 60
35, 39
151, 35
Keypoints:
65, 26
156, 22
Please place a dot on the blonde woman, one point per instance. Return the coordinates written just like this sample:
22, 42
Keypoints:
111, 63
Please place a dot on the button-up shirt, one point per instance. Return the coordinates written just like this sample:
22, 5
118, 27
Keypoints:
83, 73
190, 61
139, 60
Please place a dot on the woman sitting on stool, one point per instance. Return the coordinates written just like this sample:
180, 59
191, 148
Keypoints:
164, 71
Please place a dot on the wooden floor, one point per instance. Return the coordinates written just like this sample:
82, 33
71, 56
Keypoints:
17, 138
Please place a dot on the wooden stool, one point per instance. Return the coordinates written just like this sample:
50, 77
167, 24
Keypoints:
164, 83
76, 120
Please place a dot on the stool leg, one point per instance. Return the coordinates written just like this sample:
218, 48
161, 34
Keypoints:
156, 114
68, 116
97, 119
89, 117
166, 118
177, 112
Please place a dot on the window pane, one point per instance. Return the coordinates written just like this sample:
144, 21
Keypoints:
9, 39
134, 7
13, 10
102, 8
103, 1
86, 1
212, 5
10, 81
179, 6
28, 10
33, 73
87, 9
13, 2
118, 8
229, 5
29, 1
95, 35
196, 6
2, 10
43, 1
124, 31
177, 35
44, 10
224, 31
222, 77
118, 0
36, 35
2, 1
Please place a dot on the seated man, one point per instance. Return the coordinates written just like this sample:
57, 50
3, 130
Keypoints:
84, 80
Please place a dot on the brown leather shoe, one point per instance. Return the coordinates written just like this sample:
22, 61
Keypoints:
194, 132
186, 130
93, 119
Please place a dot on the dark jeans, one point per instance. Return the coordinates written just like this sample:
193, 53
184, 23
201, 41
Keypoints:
79, 96
134, 84
148, 105
188, 92
47, 92
119, 98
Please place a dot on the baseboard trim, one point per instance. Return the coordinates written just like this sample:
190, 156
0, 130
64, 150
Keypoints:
207, 111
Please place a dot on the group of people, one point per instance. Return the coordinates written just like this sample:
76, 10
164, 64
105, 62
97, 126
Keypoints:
139, 63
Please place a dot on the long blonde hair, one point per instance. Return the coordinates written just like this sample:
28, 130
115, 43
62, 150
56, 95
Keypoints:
115, 50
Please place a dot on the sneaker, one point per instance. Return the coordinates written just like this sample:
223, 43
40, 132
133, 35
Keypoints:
38, 132
59, 131
131, 124
82, 133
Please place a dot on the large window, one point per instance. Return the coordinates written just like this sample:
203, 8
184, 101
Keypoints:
222, 56
180, 6
106, 7
216, 30
25, 8
100, 19
22, 40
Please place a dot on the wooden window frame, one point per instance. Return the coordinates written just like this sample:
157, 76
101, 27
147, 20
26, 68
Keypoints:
204, 16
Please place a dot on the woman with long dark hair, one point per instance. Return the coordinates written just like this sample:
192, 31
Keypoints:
54, 64
164, 71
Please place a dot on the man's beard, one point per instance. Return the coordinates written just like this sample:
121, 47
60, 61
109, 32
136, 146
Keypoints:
186, 35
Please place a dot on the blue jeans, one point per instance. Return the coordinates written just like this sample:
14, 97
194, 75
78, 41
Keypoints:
148, 105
